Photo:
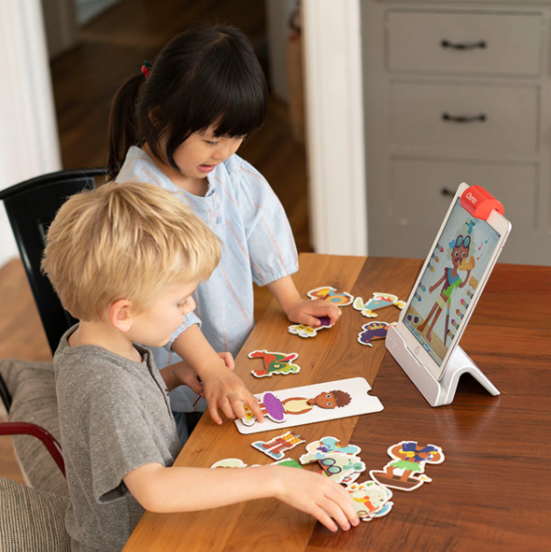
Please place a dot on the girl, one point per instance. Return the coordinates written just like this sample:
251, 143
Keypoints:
178, 125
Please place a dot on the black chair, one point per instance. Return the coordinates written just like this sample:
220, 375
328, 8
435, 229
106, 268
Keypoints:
31, 206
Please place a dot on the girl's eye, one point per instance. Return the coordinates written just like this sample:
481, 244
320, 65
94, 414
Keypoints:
211, 143
182, 304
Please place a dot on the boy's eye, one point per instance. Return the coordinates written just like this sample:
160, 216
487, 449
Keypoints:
211, 143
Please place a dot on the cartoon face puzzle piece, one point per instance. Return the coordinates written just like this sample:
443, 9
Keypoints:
371, 500
302, 330
373, 331
274, 448
378, 301
326, 445
342, 467
332, 295
275, 363
406, 471
229, 463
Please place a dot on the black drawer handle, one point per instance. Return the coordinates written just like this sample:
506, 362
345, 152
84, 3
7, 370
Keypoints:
481, 44
453, 119
447, 192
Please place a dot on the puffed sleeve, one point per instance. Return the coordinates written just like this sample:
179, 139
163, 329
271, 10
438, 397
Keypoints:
190, 319
272, 249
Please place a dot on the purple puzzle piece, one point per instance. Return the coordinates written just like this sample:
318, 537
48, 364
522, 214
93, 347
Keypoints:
372, 331
273, 407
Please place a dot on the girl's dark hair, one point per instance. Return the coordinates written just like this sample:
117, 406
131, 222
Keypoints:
205, 76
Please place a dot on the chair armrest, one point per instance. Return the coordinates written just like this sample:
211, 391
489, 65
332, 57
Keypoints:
24, 428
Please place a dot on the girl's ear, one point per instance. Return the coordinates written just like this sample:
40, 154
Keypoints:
120, 315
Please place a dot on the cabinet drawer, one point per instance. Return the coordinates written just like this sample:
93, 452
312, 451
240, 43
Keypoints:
468, 43
467, 119
415, 194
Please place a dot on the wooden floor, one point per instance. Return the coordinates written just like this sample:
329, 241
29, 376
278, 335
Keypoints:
112, 48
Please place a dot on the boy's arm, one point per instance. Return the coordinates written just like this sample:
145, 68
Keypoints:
178, 489
301, 311
222, 388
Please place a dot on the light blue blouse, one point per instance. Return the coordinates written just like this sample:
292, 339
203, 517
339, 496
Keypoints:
241, 208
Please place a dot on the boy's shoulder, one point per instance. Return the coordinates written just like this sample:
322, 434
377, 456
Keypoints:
93, 369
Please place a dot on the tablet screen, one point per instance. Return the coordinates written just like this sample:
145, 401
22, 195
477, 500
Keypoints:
450, 281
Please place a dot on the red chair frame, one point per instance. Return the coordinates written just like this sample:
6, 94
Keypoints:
48, 440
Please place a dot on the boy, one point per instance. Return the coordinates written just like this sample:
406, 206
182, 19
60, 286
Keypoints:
125, 260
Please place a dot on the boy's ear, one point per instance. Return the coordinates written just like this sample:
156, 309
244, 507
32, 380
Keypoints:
120, 315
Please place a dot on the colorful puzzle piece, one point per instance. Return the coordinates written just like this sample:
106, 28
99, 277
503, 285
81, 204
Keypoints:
330, 294
342, 468
229, 463
324, 446
274, 448
303, 330
406, 471
378, 301
373, 331
275, 363
371, 500
289, 462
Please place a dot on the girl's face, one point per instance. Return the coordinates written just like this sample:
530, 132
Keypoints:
202, 151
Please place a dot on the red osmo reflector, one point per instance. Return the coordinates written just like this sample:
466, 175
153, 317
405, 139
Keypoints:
480, 203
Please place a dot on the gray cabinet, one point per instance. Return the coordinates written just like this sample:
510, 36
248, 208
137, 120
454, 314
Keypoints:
456, 92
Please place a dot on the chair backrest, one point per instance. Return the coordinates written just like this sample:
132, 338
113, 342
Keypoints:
31, 206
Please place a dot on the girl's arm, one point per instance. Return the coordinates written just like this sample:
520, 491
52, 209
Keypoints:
298, 310
178, 489
222, 388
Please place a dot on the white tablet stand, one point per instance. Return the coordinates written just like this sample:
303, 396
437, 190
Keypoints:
479, 203
436, 392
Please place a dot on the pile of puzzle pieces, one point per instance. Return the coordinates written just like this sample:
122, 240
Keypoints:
343, 464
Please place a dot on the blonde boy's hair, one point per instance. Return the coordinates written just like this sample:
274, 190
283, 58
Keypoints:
124, 241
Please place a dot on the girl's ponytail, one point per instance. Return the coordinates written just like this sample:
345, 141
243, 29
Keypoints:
122, 124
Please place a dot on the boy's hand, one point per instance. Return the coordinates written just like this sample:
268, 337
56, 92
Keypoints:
180, 373
227, 359
223, 389
306, 311
315, 494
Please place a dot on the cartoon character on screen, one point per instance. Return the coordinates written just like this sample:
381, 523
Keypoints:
276, 410
406, 472
450, 281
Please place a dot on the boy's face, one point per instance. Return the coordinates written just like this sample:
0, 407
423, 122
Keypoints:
154, 326
202, 151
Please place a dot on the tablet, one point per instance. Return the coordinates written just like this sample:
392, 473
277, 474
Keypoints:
451, 280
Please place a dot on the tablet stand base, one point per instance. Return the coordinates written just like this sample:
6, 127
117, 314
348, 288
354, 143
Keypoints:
437, 393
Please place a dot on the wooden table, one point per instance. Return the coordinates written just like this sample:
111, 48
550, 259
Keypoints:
493, 492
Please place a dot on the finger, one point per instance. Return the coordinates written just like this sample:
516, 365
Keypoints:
323, 517
213, 411
336, 512
226, 407
309, 320
343, 498
334, 314
252, 402
237, 406
195, 386
229, 360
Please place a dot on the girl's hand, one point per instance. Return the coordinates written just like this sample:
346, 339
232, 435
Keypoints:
317, 495
306, 311
225, 390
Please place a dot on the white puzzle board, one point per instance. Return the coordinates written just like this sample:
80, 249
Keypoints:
356, 388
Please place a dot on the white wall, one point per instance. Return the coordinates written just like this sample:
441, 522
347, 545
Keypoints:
29, 143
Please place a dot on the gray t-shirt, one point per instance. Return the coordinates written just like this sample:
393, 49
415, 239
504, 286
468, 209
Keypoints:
114, 416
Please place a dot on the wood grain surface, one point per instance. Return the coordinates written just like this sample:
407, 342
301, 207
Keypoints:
492, 491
